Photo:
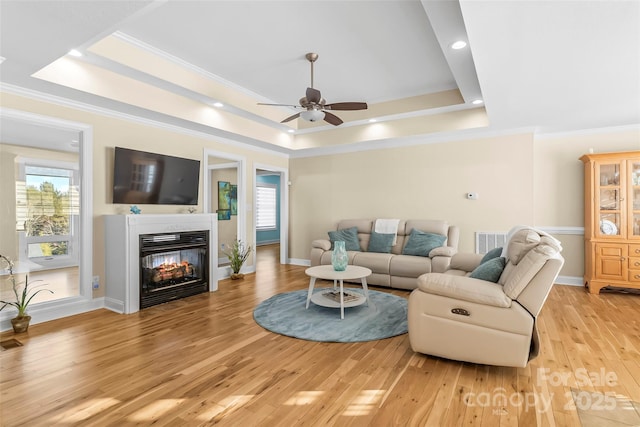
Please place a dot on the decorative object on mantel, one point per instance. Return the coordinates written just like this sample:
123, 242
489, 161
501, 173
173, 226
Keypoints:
135, 210
237, 253
20, 323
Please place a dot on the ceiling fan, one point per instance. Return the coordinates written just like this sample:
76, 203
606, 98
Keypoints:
315, 107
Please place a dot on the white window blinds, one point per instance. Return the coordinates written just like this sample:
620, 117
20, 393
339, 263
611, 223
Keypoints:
266, 207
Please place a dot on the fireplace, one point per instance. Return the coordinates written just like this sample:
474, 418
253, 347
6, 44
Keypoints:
172, 266
154, 258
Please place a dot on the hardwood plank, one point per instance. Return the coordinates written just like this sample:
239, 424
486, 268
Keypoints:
204, 360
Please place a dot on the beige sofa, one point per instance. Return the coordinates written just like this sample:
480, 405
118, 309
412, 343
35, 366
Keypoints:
459, 317
393, 269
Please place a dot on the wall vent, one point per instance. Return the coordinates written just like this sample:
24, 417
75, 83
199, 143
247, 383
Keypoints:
487, 240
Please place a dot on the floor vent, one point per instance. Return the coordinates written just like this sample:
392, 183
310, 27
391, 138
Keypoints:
485, 241
12, 343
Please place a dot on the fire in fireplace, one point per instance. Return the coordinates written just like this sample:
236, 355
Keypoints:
172, 266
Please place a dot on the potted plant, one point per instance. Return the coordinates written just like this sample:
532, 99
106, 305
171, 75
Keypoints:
23, 297
237, 253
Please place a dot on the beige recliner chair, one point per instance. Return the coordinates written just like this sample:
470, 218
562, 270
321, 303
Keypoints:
457, 316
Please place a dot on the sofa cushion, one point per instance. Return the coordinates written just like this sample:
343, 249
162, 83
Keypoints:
420, 243
376, 262
348, 235
409, 266
489, 270
464, 288
381, 242
493, 253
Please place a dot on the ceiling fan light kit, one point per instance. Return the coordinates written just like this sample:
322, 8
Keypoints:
312, 115
315, 106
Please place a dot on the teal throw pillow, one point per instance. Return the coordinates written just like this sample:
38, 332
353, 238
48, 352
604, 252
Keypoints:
493, 253
381, 243
490, 270
420, 243
348, 235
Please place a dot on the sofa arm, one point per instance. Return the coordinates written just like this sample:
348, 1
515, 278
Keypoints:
465, 261
441, 257
443, 251
321, 244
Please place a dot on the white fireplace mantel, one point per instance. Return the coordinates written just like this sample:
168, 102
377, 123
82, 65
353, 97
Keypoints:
122, 259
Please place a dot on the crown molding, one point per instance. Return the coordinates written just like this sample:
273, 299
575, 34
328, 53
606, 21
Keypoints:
423, 139
587, 132
65, 102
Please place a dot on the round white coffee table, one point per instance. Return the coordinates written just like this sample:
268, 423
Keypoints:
327, 272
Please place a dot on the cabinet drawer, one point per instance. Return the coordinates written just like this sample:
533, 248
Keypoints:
634, 275
634, 250
634, 263
605, 250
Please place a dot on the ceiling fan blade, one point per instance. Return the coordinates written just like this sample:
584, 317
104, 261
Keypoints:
280, 105
288, 119
332, 118
345, 106
313, 95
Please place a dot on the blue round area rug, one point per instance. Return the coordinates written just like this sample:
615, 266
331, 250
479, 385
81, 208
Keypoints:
285, 314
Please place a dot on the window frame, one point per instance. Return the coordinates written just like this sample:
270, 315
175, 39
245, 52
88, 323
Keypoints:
71, 258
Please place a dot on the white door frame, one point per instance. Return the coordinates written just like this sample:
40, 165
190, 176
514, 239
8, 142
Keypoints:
239, 162
63, 307
284, 207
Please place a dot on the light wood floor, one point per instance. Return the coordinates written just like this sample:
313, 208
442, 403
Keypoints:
203, 360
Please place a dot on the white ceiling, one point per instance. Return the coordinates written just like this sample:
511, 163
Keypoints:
549, 65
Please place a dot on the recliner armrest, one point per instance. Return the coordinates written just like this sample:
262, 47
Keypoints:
321, 244
464, 288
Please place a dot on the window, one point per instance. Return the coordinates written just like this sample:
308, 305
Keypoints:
47, 209
266, 202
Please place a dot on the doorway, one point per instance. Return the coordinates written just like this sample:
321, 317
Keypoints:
271, 219
225, 172
46, 164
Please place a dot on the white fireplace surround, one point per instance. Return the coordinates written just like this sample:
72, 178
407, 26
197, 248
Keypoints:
122, 258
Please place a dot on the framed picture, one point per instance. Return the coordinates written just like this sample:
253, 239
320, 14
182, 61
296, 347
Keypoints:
234, 199
224, 200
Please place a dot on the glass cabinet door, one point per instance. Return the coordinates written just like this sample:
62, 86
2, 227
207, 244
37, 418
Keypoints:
610, 199
634, 203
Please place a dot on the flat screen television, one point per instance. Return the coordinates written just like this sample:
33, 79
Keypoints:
148, 178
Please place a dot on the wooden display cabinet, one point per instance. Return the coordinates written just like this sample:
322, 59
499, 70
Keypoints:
612, 220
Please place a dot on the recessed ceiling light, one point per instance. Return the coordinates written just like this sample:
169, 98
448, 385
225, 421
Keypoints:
459, 44
477, 101
74, 52
218, 104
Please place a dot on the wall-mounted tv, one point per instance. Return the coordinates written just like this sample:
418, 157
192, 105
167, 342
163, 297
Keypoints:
148, 178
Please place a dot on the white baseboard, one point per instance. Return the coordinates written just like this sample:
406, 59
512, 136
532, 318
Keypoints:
45, 312
267, 242
299, 261
114, 305
570, 280
225, 271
